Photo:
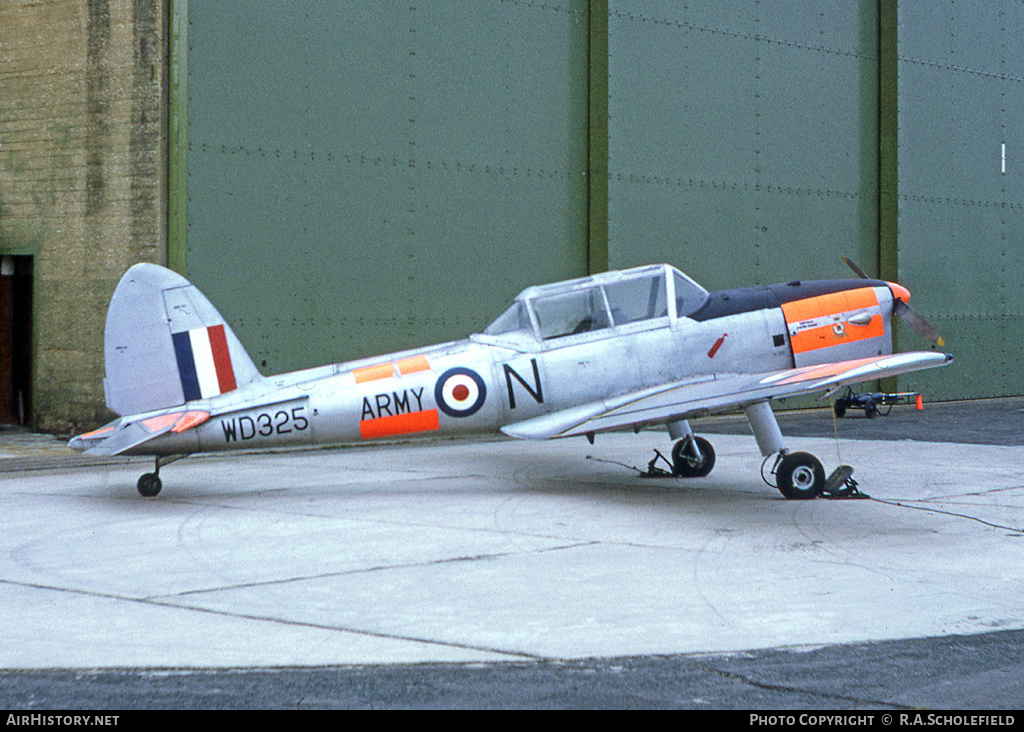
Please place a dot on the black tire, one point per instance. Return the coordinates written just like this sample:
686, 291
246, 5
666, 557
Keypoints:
687, 467
800, 476
871, 409
149, 485
840, 409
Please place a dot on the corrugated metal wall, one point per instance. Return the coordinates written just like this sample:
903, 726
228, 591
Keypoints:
365, 177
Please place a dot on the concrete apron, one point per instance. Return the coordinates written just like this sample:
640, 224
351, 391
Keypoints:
501, 550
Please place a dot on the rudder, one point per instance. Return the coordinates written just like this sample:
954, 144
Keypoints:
165, 344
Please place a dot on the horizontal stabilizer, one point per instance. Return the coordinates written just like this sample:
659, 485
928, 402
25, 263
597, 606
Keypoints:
122, 435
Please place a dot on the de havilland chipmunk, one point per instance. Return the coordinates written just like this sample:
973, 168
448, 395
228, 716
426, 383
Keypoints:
631, 348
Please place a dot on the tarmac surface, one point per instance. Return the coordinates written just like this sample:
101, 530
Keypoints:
524, 575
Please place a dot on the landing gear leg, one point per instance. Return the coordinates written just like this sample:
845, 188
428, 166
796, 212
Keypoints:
149, 484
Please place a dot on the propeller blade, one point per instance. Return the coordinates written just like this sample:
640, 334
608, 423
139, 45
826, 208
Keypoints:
913, 319
855, 268
916, 322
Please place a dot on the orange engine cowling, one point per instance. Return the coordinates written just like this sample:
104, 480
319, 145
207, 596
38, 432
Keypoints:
848, 324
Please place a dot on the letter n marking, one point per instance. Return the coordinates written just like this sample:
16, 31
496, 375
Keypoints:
536, 391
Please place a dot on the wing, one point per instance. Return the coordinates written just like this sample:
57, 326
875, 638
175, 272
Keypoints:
716, 393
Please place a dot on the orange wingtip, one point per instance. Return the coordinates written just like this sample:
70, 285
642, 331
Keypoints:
820, 371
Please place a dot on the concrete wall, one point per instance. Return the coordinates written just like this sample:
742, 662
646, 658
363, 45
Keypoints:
82, 171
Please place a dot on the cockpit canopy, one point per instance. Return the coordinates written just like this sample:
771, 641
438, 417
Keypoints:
648, 295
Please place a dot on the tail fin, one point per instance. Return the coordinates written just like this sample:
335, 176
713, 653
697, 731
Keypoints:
165, 344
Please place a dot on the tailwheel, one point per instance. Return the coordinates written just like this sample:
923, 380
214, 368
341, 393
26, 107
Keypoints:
800, 476
149, 485
692, 457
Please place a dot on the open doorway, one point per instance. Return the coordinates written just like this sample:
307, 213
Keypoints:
15, 340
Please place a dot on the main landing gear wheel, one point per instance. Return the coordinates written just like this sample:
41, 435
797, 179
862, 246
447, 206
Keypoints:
685, 465
800, 476
149, 485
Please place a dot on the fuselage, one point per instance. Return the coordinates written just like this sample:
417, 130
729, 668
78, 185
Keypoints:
557, 347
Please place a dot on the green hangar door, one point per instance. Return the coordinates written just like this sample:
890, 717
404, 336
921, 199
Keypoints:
745, 139
365, 177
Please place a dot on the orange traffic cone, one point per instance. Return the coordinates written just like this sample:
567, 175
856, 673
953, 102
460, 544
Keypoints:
920, 402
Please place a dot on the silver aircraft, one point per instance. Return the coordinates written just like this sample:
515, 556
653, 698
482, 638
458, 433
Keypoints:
643, 346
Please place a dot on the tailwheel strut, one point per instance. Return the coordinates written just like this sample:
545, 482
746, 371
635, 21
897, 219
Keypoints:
149, 484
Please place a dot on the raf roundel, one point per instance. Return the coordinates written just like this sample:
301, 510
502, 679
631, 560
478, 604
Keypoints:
460, 392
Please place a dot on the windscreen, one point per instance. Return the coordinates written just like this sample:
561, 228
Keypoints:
690, 297
636, 299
